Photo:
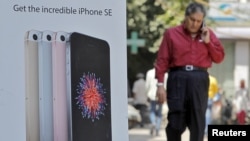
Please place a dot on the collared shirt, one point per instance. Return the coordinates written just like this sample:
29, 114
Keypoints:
139, 90
178, 48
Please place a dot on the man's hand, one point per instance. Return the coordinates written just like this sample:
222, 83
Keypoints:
161, 94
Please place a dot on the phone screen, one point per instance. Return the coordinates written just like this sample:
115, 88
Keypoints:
90, 104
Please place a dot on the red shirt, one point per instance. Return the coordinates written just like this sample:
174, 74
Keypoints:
179, 49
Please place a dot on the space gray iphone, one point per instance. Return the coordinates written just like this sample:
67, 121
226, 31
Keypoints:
88, 84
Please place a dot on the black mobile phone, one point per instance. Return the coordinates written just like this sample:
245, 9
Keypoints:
88, 83
202, 25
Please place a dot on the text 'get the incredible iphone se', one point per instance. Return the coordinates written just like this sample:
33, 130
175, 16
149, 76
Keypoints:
88, 87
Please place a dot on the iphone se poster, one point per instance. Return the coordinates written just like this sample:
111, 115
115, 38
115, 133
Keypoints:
60, 76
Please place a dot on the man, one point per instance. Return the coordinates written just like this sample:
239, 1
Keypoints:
241, 101
186, 52
140, 97
155, 107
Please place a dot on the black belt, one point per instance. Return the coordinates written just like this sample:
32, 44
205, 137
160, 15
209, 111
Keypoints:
188, 68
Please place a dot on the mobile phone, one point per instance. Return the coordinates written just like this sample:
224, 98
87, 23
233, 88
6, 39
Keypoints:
45, 86
59, 85
88, 77
202, 25
31, 41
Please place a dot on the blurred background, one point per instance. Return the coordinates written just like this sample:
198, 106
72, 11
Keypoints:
229, 19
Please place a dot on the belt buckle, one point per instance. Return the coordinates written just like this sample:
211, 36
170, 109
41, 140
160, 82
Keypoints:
189, 67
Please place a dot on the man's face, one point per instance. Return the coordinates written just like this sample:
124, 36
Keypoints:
193, 22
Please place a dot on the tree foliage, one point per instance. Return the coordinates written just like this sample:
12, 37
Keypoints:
150, 18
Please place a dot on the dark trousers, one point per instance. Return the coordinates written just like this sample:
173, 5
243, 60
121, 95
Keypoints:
187, 95
143, 112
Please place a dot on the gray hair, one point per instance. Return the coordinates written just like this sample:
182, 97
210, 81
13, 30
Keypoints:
195, 7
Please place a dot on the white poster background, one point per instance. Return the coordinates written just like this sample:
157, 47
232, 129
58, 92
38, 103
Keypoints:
16, 21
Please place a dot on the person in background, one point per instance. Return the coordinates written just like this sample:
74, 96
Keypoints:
212, 91
140, 96
186, 52
216, 110
155, 106
240, 102
227, 109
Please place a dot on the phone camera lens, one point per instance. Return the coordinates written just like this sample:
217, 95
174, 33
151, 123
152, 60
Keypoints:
48, 37
35, 37
62, 38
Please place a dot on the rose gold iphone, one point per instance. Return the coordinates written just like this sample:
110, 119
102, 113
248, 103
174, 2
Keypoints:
59, 86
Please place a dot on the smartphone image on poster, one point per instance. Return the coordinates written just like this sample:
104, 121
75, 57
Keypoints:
59, 86
88, 84
31, 41
45, 86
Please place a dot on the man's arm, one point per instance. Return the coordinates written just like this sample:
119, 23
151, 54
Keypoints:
162, 60
161, 66
215, 48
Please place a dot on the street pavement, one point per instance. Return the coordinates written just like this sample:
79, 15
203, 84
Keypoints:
143, 134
